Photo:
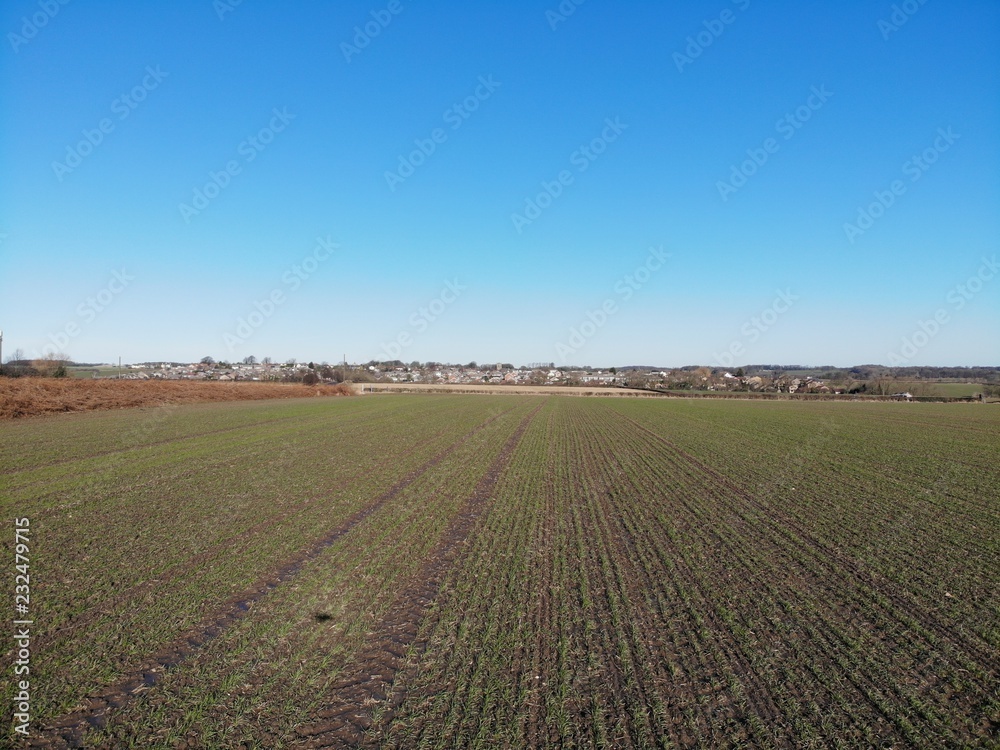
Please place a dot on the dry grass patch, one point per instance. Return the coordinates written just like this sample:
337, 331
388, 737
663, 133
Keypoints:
26, 397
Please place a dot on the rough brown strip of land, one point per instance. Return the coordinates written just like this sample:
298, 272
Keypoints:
29, 397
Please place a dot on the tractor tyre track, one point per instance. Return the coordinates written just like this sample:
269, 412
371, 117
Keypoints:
168, 574
69, 730
377, 674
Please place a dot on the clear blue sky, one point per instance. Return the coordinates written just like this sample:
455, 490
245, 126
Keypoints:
762, 269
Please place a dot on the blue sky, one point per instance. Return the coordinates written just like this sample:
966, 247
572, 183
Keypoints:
444, 182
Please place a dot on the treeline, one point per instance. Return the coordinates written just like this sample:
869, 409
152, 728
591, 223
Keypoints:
35, 368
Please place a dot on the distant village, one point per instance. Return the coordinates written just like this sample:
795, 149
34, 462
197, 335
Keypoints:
777, 379
919, 382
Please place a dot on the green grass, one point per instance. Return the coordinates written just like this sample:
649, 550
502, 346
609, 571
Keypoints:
100, 372
741, 573
949, 390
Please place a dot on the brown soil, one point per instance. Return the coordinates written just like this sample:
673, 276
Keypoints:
28, 397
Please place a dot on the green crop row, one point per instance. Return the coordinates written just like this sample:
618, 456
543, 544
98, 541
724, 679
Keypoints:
596, 573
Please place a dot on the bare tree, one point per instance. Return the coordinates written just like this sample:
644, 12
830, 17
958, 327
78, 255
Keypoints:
52, 365
15, 364
882, 384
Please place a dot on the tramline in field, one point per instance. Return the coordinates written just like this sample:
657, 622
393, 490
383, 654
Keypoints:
404, 571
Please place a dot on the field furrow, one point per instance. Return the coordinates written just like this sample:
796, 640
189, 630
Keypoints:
486, 572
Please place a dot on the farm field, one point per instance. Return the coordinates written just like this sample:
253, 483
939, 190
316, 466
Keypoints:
406, 571
948, 389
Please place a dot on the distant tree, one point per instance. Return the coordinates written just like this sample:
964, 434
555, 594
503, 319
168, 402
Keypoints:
740, 372
11, 360
207, 361
310, 378
266, 361
613, 370
250, 360
882, 384
472, 365
52, 365
290, 362
15, 366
